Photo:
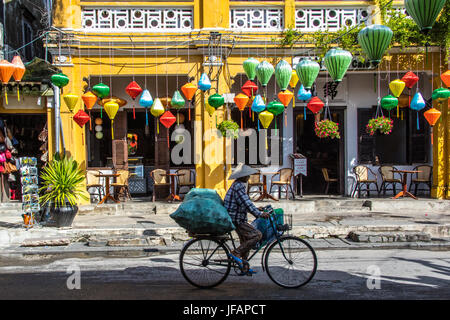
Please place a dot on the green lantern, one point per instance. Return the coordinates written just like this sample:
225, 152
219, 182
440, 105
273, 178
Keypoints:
216, 100
389, 102
276, 108
307, 71
283, 74
424, 12
101, 90
374, 40
440, 94
177, 100
264, 72
60, 80
250, 67
337, 62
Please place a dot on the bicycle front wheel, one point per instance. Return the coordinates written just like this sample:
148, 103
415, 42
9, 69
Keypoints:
204, 262
290, 262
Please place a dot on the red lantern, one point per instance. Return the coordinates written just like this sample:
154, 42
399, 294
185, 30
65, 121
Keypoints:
432, 117
249, 88
315, 105
410, 79
168, 119
81, 118
446, 78
133, 90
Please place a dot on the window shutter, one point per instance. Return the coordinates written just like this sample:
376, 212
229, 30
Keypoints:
162, 153
120, 125
366, 142
418, 139
120, 154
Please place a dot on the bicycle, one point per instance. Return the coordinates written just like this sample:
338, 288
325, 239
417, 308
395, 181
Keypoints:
205, 260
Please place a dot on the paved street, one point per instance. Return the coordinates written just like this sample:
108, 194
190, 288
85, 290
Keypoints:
342, 274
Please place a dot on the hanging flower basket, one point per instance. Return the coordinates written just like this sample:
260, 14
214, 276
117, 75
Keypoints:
327, 129
382, 124
229, 128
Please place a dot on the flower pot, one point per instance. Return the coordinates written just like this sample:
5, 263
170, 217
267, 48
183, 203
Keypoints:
64, 216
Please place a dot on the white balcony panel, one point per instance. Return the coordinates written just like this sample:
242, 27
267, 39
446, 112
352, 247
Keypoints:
137, 19
257, 19
315, 19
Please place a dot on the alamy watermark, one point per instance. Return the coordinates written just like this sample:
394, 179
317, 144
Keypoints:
374, 278
74, 279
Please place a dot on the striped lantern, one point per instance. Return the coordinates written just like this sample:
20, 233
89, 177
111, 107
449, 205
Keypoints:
283, 74
374, 40
250, 68
337, 62
264, 72
307, 71
424, 12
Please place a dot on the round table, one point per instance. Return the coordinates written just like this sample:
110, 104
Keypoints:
107, 196
404, 192
265, 194
172, 196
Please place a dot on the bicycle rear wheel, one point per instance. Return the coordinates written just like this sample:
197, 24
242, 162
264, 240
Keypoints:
204, 262
293, 269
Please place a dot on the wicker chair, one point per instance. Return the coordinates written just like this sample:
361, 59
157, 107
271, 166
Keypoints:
185, 178
362, 174
327, 179
255, 181
424, 176
389, 178
92, 181
121, 184
285, 177
159, 180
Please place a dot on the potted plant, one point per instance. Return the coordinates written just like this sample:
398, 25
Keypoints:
229, 128
62, 186
382, 124
327, 129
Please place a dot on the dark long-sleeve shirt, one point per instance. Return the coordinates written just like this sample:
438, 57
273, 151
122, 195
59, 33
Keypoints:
238, 203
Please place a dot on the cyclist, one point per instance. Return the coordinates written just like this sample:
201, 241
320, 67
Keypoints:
238, 204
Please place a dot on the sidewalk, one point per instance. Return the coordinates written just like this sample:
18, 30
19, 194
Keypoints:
370, 222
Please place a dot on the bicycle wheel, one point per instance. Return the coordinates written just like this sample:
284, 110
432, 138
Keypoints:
204, 262
293, 269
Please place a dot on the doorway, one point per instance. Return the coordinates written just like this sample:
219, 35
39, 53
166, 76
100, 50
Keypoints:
320, 153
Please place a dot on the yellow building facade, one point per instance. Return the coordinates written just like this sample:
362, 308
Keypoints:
107, 40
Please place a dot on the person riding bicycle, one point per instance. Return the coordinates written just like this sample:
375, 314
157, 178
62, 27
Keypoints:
238, 204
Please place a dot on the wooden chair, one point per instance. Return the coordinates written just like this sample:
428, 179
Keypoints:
255, 181
94, 182
424, 176
159, 180
362, 178
186, 178
389, 178
285, 177
121, 184
327, 178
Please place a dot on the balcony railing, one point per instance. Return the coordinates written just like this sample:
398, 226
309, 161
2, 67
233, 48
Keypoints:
257, 19
137, 19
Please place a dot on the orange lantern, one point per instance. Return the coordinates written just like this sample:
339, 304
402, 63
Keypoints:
189, 90
89, 100
432, 117
19, 71
241, 101
6, 71
285, 98
446, 78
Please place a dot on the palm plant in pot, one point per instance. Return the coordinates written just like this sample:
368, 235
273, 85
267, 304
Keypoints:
62, 187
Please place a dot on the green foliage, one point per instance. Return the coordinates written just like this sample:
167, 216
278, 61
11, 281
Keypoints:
289, 38
62, 181
383, 124
229, 128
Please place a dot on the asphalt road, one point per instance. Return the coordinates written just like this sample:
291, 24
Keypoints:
342, 274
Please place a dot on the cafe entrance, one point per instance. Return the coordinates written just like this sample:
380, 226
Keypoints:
321, 153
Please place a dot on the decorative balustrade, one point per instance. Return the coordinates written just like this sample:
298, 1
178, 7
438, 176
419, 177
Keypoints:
257, 19
137, 19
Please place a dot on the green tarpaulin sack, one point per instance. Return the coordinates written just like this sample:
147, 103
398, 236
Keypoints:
202, 212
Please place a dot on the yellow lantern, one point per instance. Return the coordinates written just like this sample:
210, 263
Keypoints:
266, 118
294, 79
71, 101
157, 110
208, 108
397, 87
111, 109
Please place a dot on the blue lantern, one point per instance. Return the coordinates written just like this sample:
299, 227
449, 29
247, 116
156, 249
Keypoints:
304, 95
258, 105
417, 103
146, 101
204, 84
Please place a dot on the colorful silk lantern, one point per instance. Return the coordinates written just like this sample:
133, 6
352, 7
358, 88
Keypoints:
133, 89
440, 95
417, 103
337, 62
101, 90
374, 40
189, 90
285, 97
389, 102
283, 74
265, 117
249, 88
204, 83
167, 119
307, 71
111, 109
410, 79
6, 72
81, 118
315, 105
397, 86
241, 101
18, 73
250, 68
60, 80
146, 101
209, 109
121, 102
177, 102
89, 100
294, 79
216, 100
258, 105
304, 95
276, 108
264, 72
432, 117
157, 110
424, 12
71, 101
446, 78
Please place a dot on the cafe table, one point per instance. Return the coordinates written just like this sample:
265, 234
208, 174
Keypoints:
108, 195
173, 196
404, 192
265, 194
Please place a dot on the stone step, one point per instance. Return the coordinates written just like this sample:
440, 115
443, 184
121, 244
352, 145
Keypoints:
374, 237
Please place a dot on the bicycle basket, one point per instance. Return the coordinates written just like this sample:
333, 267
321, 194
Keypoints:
287, 223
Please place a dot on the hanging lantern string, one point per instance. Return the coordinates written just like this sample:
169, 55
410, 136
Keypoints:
111, 71
167, 78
